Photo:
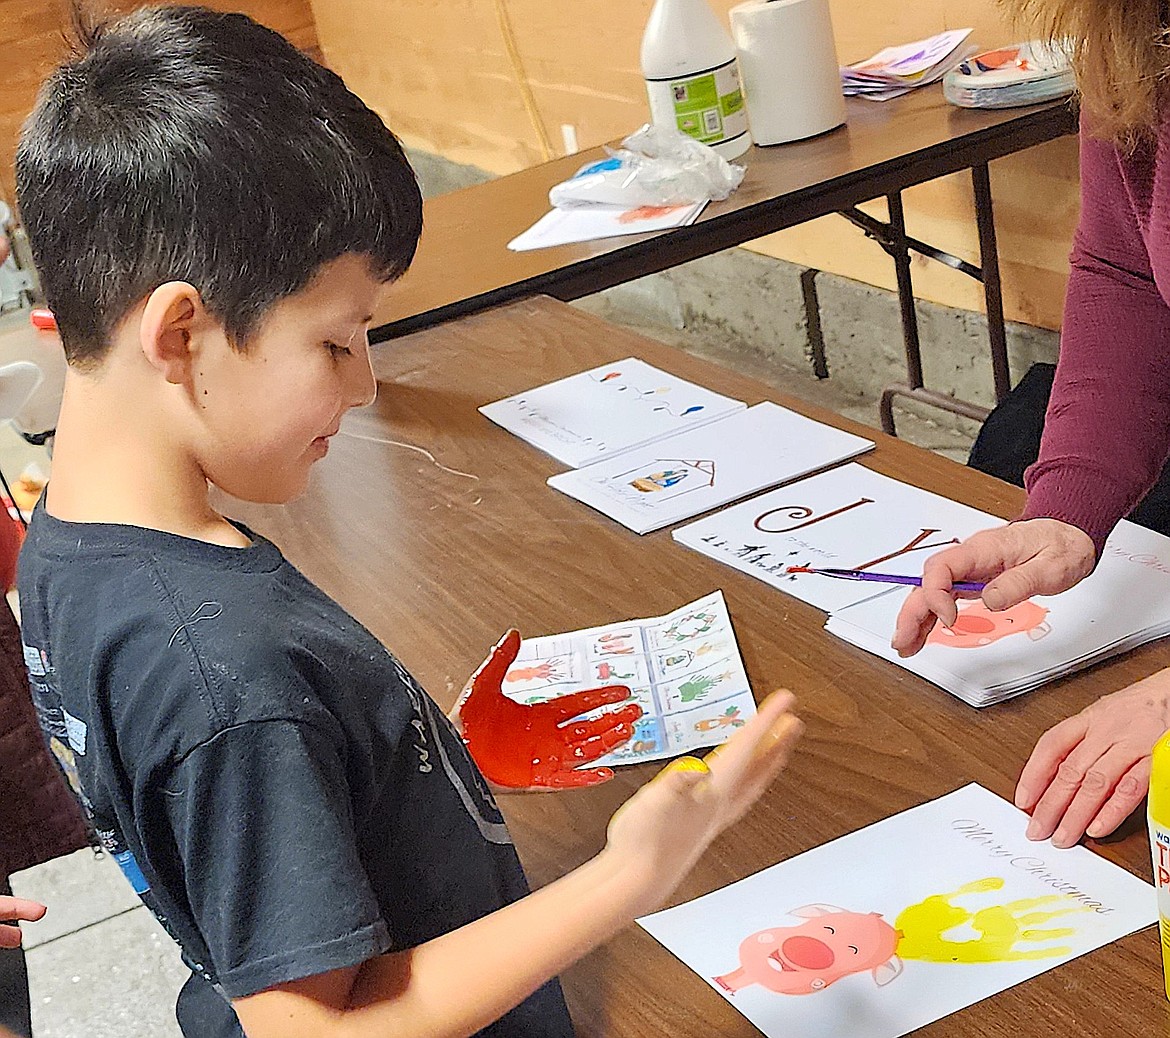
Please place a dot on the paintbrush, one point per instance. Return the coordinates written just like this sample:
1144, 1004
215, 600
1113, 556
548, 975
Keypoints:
881, 578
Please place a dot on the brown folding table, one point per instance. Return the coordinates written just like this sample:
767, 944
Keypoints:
437, 530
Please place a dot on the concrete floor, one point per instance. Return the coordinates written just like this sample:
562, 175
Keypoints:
100, 966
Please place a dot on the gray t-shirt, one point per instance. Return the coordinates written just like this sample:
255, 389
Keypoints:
275, 785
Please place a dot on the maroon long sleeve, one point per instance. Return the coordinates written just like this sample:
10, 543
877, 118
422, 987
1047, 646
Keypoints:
1107, 432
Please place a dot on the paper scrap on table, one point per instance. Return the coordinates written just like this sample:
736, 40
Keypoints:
684, 669
900, 924
700, 469
565, 226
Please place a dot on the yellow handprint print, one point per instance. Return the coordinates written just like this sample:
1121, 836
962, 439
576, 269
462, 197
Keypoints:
1001, 928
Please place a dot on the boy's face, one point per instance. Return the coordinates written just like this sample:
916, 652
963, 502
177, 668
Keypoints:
266, 414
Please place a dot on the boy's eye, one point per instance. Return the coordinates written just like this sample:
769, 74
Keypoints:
338, 351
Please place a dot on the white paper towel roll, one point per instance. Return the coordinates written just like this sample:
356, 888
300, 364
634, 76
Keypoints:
789, 68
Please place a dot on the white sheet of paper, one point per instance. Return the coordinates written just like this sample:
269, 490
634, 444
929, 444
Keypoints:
683, 669
806, 926
842, 519
565, 226
614, 408
704, 468
988, 657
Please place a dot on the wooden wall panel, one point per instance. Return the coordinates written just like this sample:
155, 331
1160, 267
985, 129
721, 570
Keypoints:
441, 75
31, 44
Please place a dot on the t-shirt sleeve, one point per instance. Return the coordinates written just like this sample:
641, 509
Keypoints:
262, 826
1107, 430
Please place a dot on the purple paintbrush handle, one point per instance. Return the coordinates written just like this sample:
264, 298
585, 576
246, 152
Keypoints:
892, 578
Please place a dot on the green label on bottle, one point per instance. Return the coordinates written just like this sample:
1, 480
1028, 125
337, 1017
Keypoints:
708, 107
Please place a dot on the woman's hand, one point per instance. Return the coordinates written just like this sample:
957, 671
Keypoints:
1090, 772
538, 746
1017, 561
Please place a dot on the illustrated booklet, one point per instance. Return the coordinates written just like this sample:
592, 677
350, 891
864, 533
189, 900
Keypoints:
684, 669
700, 469
593, 415
902, 923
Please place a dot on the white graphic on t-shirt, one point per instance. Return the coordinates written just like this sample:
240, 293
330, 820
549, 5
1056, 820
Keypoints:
493, 832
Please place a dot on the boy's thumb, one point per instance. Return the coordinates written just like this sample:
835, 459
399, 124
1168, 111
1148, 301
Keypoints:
683, 775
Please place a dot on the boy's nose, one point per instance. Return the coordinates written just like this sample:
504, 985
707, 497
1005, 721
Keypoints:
362, 387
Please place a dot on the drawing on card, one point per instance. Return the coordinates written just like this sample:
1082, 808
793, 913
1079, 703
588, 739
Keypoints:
616, 670
699, 686
656, 398
689, 625
832, 943
977, 626
729, 718
624, 642
669, 478
551, 671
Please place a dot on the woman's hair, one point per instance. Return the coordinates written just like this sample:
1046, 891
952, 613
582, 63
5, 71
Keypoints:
1121, 52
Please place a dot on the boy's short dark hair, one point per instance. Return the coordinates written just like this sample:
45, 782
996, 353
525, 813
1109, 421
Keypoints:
182, 144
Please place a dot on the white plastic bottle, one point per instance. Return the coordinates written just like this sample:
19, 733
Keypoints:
692, 76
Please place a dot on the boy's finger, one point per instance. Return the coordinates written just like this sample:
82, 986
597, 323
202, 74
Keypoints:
586, 750
491, 672
575, 731
589, 699
20, 908
9, 937
731, 761
577, 779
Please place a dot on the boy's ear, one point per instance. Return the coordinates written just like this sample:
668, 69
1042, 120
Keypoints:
173, 313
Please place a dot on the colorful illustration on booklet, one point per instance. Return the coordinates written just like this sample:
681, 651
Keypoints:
624, 642
832, 943
667, 480
655, 397
977, 626
730, 718
669, 663
698, 686
688, 626
647, 739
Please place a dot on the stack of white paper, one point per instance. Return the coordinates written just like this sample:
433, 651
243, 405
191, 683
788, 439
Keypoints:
704, 468
617, 407
1023, 74
565, 226
897, 70
989, 657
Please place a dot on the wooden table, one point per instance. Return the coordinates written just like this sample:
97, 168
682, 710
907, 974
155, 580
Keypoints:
439, 561
463, 264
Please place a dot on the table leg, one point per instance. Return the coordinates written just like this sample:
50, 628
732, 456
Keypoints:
992, 287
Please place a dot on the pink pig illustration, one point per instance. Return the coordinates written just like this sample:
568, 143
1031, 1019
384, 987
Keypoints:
803, 959
977, 625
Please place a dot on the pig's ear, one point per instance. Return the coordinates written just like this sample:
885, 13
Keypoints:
887, 971
814, 911
1039, 631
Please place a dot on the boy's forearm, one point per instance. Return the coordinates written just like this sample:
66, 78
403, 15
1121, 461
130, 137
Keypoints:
459, 983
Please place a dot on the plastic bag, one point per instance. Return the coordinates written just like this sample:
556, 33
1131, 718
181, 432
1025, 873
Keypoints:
654, 167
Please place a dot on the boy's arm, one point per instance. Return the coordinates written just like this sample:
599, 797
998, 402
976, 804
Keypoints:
457, 984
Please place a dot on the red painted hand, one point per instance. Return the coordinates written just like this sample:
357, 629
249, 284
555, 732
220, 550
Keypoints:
539, 746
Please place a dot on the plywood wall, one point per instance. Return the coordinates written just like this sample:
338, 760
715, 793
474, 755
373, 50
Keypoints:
31, 43
490, 82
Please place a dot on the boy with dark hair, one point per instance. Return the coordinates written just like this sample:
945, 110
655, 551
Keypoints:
214, 217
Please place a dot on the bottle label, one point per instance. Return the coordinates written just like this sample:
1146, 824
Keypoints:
708, 106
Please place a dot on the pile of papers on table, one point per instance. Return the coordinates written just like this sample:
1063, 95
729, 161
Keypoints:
896, 71
989, 657
1023, 74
